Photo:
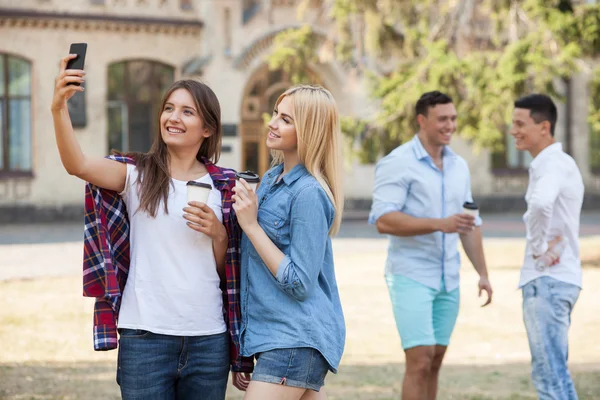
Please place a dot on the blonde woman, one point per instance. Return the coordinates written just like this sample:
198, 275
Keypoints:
292, 320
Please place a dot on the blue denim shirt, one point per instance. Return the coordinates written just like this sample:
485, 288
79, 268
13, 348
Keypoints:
300, 307
407, 180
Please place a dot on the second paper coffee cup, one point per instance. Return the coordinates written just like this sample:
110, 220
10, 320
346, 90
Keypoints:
198, 191
471, 209
250, 177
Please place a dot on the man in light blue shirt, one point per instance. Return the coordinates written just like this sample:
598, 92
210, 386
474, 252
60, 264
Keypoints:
420, 189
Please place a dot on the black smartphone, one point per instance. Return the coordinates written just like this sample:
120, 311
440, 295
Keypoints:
79, 62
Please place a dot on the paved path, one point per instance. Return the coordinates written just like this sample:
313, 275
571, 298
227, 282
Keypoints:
33, 251
495, 226
508, 225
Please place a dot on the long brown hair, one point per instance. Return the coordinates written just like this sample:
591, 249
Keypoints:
154, 176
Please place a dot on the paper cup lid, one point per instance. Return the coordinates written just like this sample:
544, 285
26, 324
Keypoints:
199, 184
470, 206
248, 176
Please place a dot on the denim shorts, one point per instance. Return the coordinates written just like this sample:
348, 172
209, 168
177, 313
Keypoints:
424, 316
300, 367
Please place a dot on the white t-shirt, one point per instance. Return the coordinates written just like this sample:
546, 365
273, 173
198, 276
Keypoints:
173, 285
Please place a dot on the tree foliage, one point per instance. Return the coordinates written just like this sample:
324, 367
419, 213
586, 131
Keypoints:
296, 49
484, 53
594, 120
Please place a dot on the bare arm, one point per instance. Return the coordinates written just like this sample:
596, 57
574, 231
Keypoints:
220, 251
99, 171
400, 224
473, 244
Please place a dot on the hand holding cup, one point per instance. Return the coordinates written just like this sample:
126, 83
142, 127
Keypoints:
245, 205
471, 209
199, 215
251, 178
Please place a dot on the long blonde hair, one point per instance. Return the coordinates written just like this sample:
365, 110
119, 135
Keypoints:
319, 141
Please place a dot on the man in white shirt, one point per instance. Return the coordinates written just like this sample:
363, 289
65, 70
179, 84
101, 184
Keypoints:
551, 272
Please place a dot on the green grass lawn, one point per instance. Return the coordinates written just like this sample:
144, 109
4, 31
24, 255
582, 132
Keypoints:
46, 340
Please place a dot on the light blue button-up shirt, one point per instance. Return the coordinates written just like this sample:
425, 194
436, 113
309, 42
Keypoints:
300, 307
407, 180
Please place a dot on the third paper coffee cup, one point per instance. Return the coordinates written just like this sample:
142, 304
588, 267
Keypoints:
250, 177
471, 209
198, 191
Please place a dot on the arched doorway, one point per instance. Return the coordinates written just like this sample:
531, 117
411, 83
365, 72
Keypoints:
262, 91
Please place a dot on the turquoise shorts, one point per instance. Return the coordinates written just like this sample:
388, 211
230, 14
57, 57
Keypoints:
424, 316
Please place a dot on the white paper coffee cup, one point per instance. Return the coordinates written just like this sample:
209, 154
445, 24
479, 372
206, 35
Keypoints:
252, 185
197, 191
250, 177
471, 209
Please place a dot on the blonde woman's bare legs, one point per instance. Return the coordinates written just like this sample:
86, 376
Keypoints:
263, 390
312, 395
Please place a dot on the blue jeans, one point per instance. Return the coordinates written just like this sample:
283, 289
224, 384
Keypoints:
547, 306
163, 367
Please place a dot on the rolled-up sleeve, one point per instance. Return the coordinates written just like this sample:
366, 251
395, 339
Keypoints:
390, 189
311, 217
545, 188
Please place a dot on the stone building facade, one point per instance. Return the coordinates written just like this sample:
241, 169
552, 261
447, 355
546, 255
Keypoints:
136, 48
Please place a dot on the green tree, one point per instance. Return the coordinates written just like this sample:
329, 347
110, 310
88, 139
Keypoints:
594, 122
296, 48
484, 53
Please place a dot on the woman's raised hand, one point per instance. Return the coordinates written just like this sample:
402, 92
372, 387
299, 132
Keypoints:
62, 90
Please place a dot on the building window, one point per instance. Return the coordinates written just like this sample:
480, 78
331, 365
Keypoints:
510, 159
186, 5
135, 90
250, 8
15, 115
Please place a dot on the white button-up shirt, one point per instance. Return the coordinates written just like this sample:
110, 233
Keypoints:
554, 199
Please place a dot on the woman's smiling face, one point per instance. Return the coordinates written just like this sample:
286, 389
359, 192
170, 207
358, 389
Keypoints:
282, 129
180, 121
